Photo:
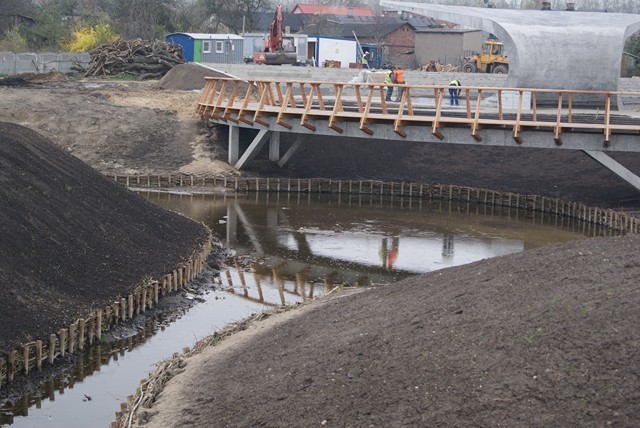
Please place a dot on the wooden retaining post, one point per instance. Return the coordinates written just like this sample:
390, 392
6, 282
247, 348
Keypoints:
72, 338
63, 342
155, 292
123, 309
52, 347
130, 305
11, 366
99, 324
39, 354
81, 325
116, 312
143, 307
25, 357
2, 368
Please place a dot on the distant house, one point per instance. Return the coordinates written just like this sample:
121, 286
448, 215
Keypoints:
290, 23
321, 9
392, 41
212, 48
14, 12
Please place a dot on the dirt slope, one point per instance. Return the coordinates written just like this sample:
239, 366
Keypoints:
72, 239
544, 338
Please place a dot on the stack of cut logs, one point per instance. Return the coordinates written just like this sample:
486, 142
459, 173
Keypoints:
144, 60
436, 66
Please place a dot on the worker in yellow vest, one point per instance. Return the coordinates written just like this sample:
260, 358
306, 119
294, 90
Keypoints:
365, 59
388, 80
454, 91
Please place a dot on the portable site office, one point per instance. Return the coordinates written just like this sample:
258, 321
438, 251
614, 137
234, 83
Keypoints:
210, 48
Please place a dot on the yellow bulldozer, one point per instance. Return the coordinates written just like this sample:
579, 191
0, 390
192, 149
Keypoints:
491, 60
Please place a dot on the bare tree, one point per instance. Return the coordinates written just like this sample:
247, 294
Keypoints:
145, 19
232, 14
188, 16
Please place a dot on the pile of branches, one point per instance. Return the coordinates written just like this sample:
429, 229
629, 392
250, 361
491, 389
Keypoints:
144, 60
436, 66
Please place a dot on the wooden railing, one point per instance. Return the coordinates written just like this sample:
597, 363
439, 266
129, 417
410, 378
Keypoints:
558, 111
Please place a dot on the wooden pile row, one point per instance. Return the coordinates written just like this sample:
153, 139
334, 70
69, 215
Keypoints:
83, 331
144, 60
616, 220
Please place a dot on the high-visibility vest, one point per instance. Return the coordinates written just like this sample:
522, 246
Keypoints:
454, 83
387, 77
400, 76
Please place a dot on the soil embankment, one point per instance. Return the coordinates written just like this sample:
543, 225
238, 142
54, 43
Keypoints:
546, 337
73, 240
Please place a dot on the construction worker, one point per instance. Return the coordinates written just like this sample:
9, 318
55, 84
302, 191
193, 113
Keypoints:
454, 91
398, 78
365, 59
388, 80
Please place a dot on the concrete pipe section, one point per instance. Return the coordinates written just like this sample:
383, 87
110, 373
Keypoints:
547, 49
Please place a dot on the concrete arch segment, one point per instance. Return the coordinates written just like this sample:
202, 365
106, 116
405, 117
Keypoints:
547, 49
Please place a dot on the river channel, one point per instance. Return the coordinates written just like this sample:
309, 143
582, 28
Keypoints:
287, 248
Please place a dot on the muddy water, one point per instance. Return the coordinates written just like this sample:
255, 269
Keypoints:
288, 248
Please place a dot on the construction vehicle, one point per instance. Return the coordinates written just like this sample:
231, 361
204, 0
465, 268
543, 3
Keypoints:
278, 50
490, 60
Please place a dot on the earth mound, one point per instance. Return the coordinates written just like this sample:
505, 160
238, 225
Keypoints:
544, 338
186, 77
73, 240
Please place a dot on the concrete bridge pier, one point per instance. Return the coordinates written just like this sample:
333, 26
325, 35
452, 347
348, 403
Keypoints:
254, 148
264, 135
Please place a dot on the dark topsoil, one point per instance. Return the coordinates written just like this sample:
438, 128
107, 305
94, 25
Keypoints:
547, 337
73, 240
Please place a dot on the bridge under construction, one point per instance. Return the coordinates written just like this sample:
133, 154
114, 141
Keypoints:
490, 116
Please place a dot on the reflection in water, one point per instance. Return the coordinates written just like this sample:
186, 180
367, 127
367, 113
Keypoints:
290, 248
90, 394
288, 245
447, 246
389, 256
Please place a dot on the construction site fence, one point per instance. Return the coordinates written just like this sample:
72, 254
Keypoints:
606, 217
12, 63
87, 330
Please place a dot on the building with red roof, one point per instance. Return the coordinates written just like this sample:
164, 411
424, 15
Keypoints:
321, 9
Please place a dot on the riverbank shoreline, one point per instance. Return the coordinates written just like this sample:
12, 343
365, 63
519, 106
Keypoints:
514, 339
507, 360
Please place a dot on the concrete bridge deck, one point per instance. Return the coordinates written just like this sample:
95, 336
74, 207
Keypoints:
492, 116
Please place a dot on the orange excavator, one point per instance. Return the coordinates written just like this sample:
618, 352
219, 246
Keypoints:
278, 50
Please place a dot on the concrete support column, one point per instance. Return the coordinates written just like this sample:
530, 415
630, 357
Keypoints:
274, 146
234, 144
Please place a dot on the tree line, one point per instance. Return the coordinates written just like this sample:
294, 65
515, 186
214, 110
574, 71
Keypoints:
39, 25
